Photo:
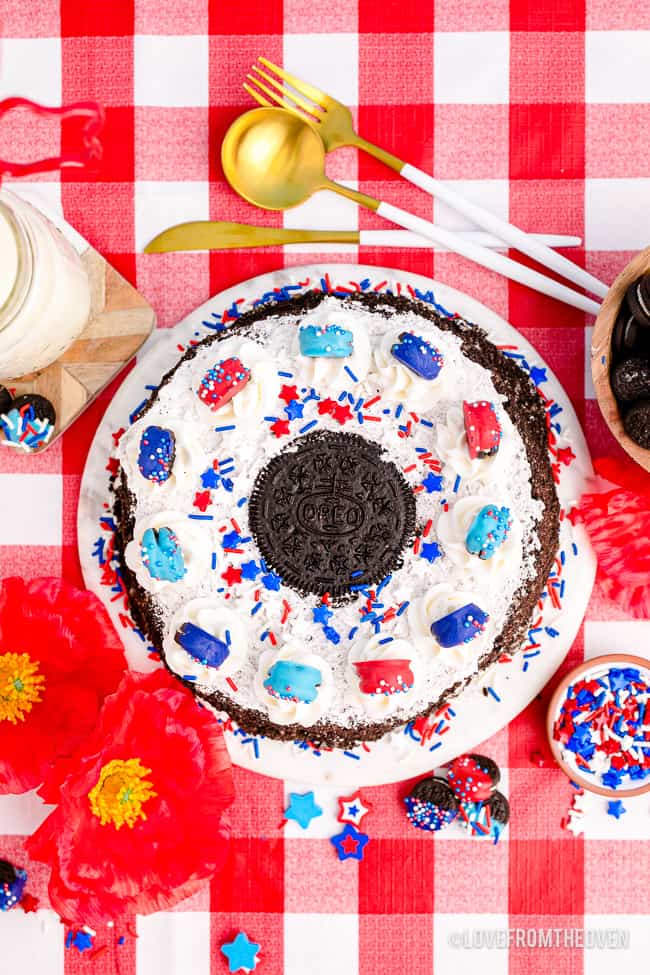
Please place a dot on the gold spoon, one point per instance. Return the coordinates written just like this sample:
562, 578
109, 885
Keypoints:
276, 161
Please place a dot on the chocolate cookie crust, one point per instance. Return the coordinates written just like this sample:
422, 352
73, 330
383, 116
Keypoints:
526, 411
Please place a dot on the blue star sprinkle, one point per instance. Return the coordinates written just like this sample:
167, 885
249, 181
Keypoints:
322, 614
430, 551
616, 808
210, 478
350, 843
271, 581
231, 539
302, 808
432, 482
538, 375
250, 570
241, 953
80, 940
294, 410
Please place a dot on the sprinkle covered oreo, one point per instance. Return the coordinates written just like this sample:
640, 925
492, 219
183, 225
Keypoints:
156, 454
293, 682
488, 531
222, 382
330, 342
473, 777
418, 355
162, 555
384, 676
431, 804
460, 626
482, 429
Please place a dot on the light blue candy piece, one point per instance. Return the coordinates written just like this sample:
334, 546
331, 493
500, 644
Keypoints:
488, 531
162, 555
293, 682
331, 342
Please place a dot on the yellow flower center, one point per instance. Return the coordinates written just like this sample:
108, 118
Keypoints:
21, 686
121, 792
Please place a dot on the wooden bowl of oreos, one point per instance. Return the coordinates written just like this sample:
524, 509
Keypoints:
620, 358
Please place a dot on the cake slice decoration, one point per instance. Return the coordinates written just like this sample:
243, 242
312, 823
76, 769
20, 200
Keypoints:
482, 428
293, 682
157, 454
418, 355
203, 646
389, 676
488, 531
162, 555
330, 342
460, 626
222, 382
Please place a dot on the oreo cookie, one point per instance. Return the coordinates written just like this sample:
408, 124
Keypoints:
629, 338
7, 873
499, 809
630, 380
5, 400
43, 409
431, 804
473, 777
332, 514
638, 299
636, 423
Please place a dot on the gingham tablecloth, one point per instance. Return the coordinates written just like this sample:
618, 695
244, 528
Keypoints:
540, 111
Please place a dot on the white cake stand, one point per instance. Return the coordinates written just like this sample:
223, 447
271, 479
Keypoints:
489, 703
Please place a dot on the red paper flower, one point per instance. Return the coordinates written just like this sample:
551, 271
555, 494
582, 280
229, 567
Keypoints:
59, 658
618, 523
139, 822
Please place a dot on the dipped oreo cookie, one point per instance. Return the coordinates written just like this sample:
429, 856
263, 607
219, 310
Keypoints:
41, 407
636, 423
473, 777
5, 400
431, 804
499, 809
631, 380
638, 300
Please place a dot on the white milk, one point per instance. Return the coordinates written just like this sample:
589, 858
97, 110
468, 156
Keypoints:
44, 289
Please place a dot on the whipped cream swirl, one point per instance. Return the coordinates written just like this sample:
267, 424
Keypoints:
451, 443
323, 372
258, 397
439, 601
217, 620
194, 541
285, 710
399, 383
380, 705
452, 529
189, 459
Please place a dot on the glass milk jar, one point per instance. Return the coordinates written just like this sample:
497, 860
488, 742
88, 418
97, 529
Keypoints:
44, 289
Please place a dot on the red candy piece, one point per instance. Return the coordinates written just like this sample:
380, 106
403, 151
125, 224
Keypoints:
341, 413
469, 782
288, 393
384, 676
482, 428
202, 499
222, 382
326, 406
231, 575
280, 428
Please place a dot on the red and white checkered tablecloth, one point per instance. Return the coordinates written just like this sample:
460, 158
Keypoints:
539, 110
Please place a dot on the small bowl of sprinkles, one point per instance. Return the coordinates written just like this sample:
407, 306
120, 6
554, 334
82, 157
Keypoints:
598, 725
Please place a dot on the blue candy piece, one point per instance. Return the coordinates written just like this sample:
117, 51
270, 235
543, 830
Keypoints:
418, 355
157, 453
162, 555
331, 342
201, 645
11, 893
461, 626
293, 682
488, 531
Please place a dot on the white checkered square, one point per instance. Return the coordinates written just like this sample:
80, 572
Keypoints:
31, 67
453, 938
471, 68
617, 214
32, 509
493, 194
32, 943
325, 211
161, 204
21, 815
327, 61
171, 71
617, 66
178, 941
630, 931
321, 944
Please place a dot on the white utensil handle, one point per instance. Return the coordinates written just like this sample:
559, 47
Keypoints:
405, 238
490, 259
506, 231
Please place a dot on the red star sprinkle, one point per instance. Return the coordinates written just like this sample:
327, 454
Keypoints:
349, 844
29, 903
326, 405
565, 455
202, 500
574, 516
287, 393
231, 575
342, 413
280, 428
113, 465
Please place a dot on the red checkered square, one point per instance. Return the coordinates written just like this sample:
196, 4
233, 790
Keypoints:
484, 154
471, 876
546, 876
316, 882
18, 462
103, 213
96, 19
117, 138
410, 890
563, 959
474, 15
246, 19
30, 561
384, 79
547, 67
395, 16
570, 367
175, 284
309, 16
471, 278
99, 68
622, 126
547, 142
617, 876
559, 15
42, 19
541, 799
405, 131
261, 814
395, 945
24, 137
600, 438
626, 15
252, 879
230, 61
170, 17
172, 143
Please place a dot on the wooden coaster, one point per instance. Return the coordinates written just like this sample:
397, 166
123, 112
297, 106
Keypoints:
119, 324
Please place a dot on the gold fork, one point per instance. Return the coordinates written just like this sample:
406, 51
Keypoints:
333, 122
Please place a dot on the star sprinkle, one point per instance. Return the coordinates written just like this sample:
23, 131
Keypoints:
80, 940
565, 456
326, 405
294, 410
288, 393
210, 478
250, 570
432, 482
272, 581
616, 808
231, 575
29, 903
202, 500
302, 808
241, 953
350, 843
230, 539
342, 413
280, 428
430, 551
322, 614
353, 808
538, 375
